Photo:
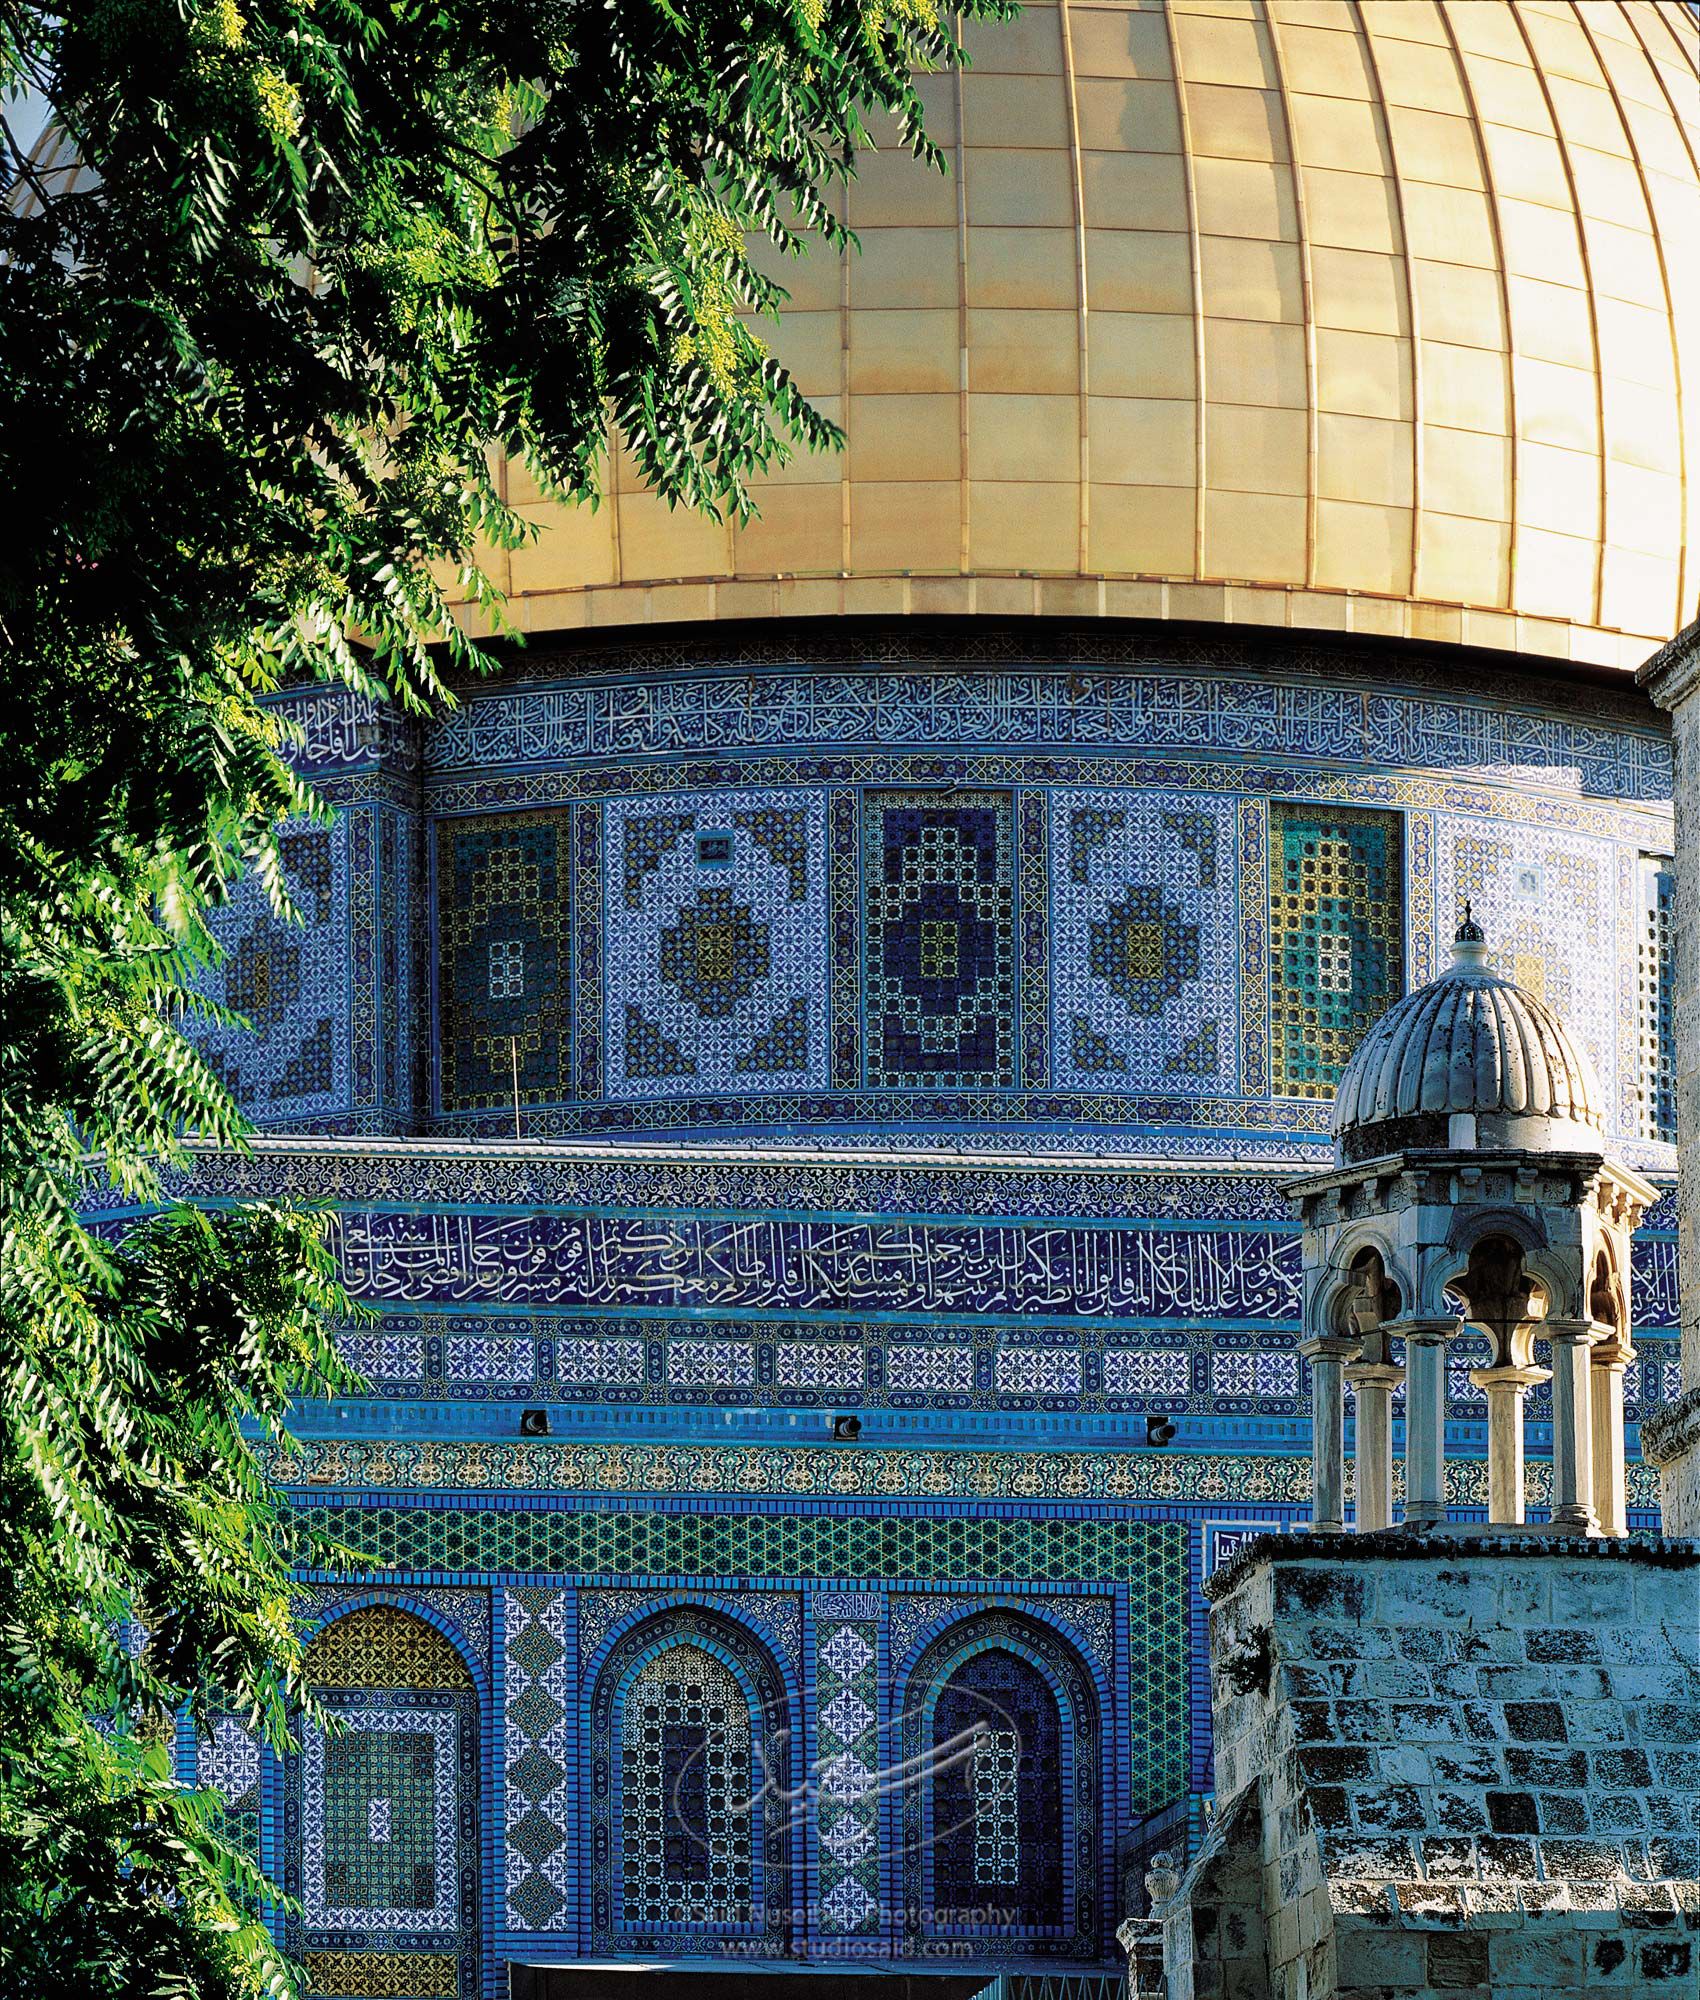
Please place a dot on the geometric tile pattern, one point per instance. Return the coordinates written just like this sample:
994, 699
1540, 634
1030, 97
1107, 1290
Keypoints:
938, 882
617, 1541
383, 1975
1548, 901
502, 926
1655, 1009
379, 1821
289, 980
381, 1646
1337, 938
847, 1755
715, 943
1144, 922
536, 1751
1159, 1649
227, 1761
1261, 1372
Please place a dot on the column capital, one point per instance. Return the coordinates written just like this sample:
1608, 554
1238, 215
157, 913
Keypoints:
1576, 1332
1509, 1377
1331, 1346
1424, 1332
1374, 1374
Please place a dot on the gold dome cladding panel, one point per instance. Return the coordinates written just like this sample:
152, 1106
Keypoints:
1361, 314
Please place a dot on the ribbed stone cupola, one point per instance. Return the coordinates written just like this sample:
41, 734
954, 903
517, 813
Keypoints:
1472, 1059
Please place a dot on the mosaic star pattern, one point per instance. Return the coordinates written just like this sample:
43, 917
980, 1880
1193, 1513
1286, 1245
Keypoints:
847, 1756
502, 927
714, 944
1336, 938
290, 981
1548, 902
1144, 912
939, 983
538, 1725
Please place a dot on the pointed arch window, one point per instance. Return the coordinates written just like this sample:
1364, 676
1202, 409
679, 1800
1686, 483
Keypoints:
1002, 1800
691, 1822
686, 1787
997, 1798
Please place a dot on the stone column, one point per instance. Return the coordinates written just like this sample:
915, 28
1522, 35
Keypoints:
1608, 1365
1505, 1388
1425, 1417
1374, 1382
1327, 1354
1572, 1426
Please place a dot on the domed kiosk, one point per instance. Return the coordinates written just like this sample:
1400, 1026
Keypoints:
1473, 1185
806, 1061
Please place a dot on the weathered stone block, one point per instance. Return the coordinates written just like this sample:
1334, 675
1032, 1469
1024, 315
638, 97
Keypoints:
1547, 1767
1466, 1767
1617, 1812
1511, 1859
1512, 1812
1449, 1857
1457, 1963
1306, 1590
1562, 1812
1622, 1767
1331, 1765
1534, 1957
1391, 1809
1537, 1723
1581, 1860
1666, 1960
1591, 1593
1460, 1812
1380, 1958
1565, 1645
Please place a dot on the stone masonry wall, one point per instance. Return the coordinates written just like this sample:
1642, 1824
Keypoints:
1448, 1769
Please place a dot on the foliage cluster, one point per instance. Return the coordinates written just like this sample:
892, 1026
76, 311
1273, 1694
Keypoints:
299, 277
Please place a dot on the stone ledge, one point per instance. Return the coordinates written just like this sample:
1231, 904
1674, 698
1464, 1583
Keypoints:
1403, 1545
1672, 1432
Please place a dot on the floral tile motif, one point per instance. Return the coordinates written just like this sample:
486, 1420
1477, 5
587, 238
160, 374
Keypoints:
1144, 983
290, 981
938, 885
714, 943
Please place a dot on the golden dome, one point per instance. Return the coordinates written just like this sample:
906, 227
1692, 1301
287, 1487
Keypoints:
1368, 315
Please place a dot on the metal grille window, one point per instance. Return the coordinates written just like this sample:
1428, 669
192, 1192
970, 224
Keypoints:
1656, 1000
507, 969
997, 1807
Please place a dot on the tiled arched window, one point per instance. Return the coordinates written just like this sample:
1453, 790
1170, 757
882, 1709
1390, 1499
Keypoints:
691, 1819
1001, 1805
687, 1805
997, 1795
381, 1815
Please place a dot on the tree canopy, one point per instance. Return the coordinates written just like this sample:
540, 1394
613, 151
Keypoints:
297, 271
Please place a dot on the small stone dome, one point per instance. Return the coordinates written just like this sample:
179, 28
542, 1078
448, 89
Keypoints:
1469, 1060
